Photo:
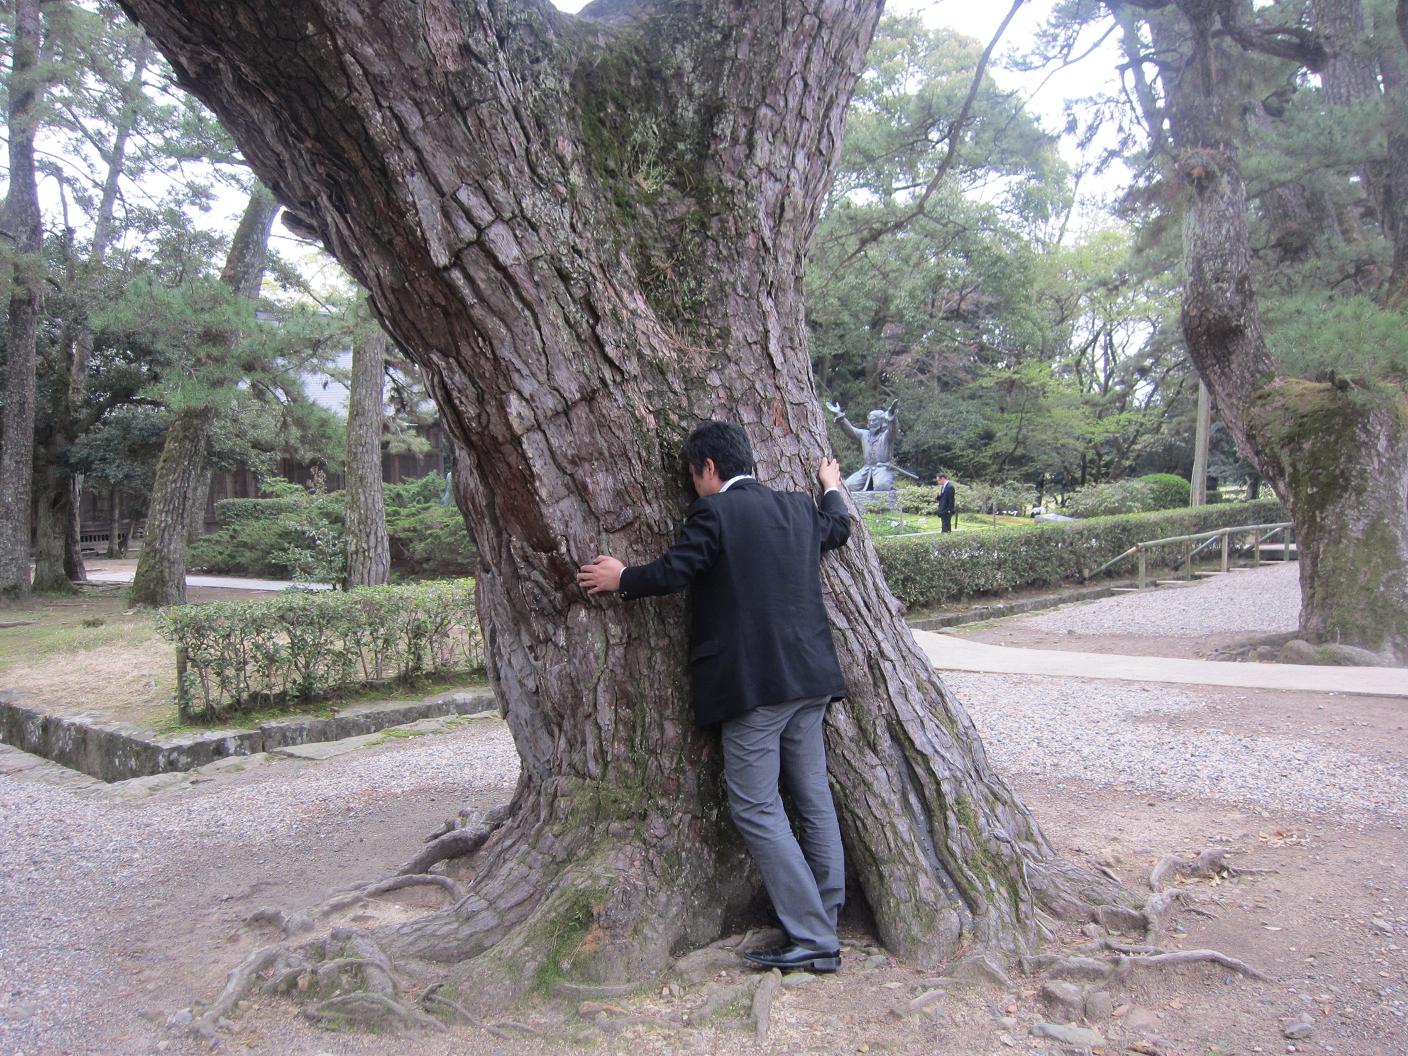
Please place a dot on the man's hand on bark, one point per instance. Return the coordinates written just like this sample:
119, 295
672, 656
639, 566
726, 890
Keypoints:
829, 473
601, 575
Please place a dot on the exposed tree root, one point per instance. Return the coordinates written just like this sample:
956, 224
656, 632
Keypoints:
1107, 961
350, 975
460, 836
240, 983
367, 1007
433, 998
1145, 956
762, 1004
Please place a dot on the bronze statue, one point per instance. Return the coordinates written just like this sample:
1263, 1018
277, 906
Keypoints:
877, 445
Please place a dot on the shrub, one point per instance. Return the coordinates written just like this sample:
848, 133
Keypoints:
292, 537
1168, 491
1009, 497
301, 645
429, 540
300, 535
917, 498
1111, 498
929, 570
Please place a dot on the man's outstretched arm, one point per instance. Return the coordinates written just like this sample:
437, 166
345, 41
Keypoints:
696, 550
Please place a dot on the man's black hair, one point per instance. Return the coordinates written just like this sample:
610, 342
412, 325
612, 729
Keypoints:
726, 443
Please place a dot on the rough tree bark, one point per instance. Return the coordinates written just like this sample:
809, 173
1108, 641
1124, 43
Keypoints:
1393, 65
161, 570
1198, 493
368, 549
1335, 452
22, 235
589, 231
56, 563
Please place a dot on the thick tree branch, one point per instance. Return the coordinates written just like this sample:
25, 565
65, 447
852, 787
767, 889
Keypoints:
954, 136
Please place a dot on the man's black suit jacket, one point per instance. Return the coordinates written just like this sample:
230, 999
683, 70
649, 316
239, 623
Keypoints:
945, 499
759, 632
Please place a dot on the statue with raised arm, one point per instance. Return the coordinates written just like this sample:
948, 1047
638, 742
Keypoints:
877, 445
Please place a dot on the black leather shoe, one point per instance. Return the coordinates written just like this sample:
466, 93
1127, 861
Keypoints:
795, 958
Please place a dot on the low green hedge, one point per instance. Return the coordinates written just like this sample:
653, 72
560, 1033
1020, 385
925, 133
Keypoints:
929, 570
234, 656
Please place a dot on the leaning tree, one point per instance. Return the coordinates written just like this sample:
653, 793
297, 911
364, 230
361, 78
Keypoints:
588, 231
1335, 449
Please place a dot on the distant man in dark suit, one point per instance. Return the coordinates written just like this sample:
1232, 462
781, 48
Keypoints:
763, 666
945, 500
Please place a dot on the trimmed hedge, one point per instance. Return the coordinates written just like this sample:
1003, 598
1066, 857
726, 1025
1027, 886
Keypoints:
235, 656
929, 570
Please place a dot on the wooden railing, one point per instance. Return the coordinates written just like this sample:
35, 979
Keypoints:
1259, 534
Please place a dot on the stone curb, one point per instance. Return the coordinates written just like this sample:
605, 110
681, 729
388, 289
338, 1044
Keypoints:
998, 609
111, 751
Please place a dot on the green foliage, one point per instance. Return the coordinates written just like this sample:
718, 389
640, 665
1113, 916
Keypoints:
932, 570
1010, 497
1313, 335
300, 646
297, 534
428, 539
1015, 352
1167, 491
1110, 499
917, 498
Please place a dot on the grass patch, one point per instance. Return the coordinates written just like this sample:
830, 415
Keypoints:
67, 624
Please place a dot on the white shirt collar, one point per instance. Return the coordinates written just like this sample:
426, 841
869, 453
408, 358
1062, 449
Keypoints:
734, 480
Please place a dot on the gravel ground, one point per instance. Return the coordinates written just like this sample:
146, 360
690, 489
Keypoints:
1154, 738
85, 884
1260, 601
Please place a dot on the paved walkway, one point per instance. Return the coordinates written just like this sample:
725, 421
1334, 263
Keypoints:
950, 653
120, 575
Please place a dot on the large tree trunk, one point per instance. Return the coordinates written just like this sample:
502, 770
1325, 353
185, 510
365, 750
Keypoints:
589, 233
1393, 64
1336, 453
23, 285
58, 563
200, 499
161, 570
368, 549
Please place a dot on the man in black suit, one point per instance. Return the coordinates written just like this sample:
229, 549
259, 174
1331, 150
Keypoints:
945, 500
762, 665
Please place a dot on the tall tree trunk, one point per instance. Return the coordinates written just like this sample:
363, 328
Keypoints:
1198, 494
58, 562
51, 531
200, 498
1336, 453
22, 234
368, 549
74, 567
1350, 78
589, 233
1393, 64
161, 569
115, 547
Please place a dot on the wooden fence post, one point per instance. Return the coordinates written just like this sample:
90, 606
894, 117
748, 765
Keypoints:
1143, 569
1226, 541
